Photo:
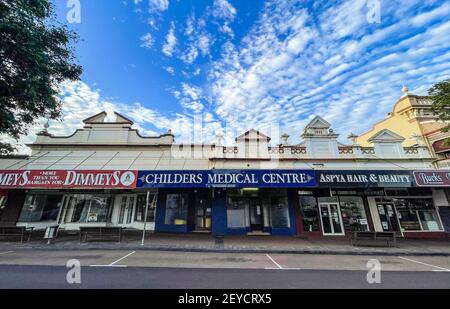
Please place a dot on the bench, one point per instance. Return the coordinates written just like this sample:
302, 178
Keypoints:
21, 232
100, 233
383, 237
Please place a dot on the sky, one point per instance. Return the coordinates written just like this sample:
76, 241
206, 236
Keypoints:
204, 67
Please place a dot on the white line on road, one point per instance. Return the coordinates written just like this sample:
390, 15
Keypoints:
123, 258
113, 264
279, 267
1, 253
429, 265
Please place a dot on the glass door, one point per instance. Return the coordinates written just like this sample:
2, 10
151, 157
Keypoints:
388, 218
126, 210
203, 217
256, 214
330, 215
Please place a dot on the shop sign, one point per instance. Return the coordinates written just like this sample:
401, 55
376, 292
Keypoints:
227, 179
432, 178
365, 179
63, 179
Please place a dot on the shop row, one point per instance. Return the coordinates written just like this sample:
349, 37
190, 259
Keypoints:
322, 203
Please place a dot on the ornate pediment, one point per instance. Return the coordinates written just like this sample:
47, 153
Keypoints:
386, 136
253, 135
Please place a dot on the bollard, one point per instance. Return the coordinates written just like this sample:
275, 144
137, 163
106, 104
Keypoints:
219, 241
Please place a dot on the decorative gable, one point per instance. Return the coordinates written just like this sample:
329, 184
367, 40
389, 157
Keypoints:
318, 127
318, 123
386, 136
253, 135
98, 118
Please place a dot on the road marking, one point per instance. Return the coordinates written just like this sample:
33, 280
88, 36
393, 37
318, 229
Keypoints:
429, 265
1, 253
113, 264
123, 258
279, 267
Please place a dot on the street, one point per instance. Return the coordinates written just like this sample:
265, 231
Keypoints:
109, 269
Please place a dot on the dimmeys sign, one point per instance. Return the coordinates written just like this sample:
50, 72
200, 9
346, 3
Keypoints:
68, 179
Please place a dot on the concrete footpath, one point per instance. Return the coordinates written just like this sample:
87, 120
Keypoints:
242, 244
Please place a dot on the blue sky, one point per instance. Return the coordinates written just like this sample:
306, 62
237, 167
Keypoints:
210, 66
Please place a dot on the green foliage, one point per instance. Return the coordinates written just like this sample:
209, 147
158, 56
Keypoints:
36, 55
440, 94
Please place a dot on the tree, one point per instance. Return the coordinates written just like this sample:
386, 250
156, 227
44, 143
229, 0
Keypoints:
440, 94
36, 55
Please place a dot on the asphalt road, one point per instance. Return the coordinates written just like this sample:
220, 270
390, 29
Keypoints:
38, 277
33, 269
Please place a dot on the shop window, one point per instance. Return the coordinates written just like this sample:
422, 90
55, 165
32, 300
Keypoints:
353, 213
89, 209
429, 220
2, 204
236, 209
140, 208
310, 214
176, 209
40, 208
417, 215
409, 220
280, 212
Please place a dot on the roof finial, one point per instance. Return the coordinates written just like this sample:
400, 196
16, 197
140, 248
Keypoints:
285, 138
353, 137
219, 139
405, 90
45, 129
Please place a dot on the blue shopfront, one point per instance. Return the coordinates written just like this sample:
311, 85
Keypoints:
225, 202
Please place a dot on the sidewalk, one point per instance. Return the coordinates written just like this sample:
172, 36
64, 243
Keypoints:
242, 244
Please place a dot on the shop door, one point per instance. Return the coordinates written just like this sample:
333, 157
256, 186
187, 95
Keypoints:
126, 210
330, 215
256, 214
388, 218
203, 217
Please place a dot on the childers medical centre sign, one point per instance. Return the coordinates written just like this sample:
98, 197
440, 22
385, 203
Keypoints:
37, 179
227, 179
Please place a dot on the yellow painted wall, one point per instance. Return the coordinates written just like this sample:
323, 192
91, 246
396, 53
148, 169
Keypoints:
396, 123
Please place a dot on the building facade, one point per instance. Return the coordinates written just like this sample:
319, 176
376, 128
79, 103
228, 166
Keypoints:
413, 120
106, 174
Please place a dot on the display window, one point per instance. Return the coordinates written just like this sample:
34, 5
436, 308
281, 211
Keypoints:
280, 212
41, 208
310, 214
3, 200
353, 213
257, 208
333, 214
176, 209
236, 212
417, 214
140, 207
88, 208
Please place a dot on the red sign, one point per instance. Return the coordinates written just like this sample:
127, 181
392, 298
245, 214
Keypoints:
432, 178
68, 179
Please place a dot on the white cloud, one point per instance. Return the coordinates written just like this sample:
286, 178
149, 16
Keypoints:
147, 41
169, 70
171, 41
290, 68
191, 55
223, 9
158, 5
